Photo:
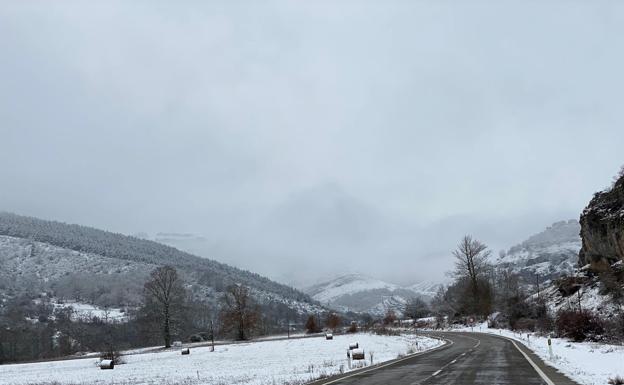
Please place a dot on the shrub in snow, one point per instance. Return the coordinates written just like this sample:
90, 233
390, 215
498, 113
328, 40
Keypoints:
617, 380
614, 327
579, 325
196, 338
383, 331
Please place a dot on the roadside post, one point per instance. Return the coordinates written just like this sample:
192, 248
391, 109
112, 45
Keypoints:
550, 352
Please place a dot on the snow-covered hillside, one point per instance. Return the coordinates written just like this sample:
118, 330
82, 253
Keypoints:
362, 293
88, 279
550, 254
293, 361
426, 289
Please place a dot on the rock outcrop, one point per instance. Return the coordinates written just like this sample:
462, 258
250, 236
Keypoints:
602, 229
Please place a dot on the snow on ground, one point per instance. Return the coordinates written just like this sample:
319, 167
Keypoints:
255, 363
85, 311
587, 363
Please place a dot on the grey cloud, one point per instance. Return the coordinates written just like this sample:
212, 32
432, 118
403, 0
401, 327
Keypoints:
302, 138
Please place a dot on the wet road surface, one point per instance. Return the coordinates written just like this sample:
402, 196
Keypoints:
467, 358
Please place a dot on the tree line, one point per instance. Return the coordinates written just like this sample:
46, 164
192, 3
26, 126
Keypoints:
480, 291
34, 329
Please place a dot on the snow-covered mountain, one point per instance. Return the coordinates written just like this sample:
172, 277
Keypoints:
362, 293
550, 254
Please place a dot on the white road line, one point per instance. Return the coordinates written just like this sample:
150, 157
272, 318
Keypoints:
533, 364
452, 362
447, 344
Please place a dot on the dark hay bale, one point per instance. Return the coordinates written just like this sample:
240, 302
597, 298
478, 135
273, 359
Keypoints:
357, 354
186, 351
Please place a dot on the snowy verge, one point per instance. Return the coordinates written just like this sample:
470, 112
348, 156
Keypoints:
268, 363
588, 363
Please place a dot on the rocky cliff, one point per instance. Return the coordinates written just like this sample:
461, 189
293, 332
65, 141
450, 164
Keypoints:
602, 229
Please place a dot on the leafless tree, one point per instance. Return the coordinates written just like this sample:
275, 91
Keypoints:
165, 289
333, 321
311, 325
471, 261
390, 317
239, 313
416, 308
472, 267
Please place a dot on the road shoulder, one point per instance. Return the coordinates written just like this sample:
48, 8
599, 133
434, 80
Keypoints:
354, 373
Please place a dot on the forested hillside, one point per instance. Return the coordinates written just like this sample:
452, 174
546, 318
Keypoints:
111, 245
75, 288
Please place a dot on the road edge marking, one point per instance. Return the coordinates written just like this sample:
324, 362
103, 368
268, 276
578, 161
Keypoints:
357, 373
526, 356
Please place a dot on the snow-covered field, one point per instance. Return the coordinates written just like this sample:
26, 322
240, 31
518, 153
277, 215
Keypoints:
257, 363
587, 363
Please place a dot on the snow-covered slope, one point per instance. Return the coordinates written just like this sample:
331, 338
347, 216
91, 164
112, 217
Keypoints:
362, 293
426, 289
347, 285
550, 254
91, 281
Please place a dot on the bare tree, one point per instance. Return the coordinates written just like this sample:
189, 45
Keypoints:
311, 325
471, 266
390, 317
333, 321
239, 313
471, 261
164, 288
416, 308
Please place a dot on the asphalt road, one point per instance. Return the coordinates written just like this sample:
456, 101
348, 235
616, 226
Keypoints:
467, 358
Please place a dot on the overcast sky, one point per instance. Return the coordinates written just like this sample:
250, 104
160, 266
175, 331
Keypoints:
309, 138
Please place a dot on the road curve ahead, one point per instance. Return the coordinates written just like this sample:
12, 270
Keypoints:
467, 358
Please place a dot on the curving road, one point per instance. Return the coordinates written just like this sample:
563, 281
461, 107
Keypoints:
466, 358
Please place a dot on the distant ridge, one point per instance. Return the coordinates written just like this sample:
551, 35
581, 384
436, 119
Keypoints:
362, 293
